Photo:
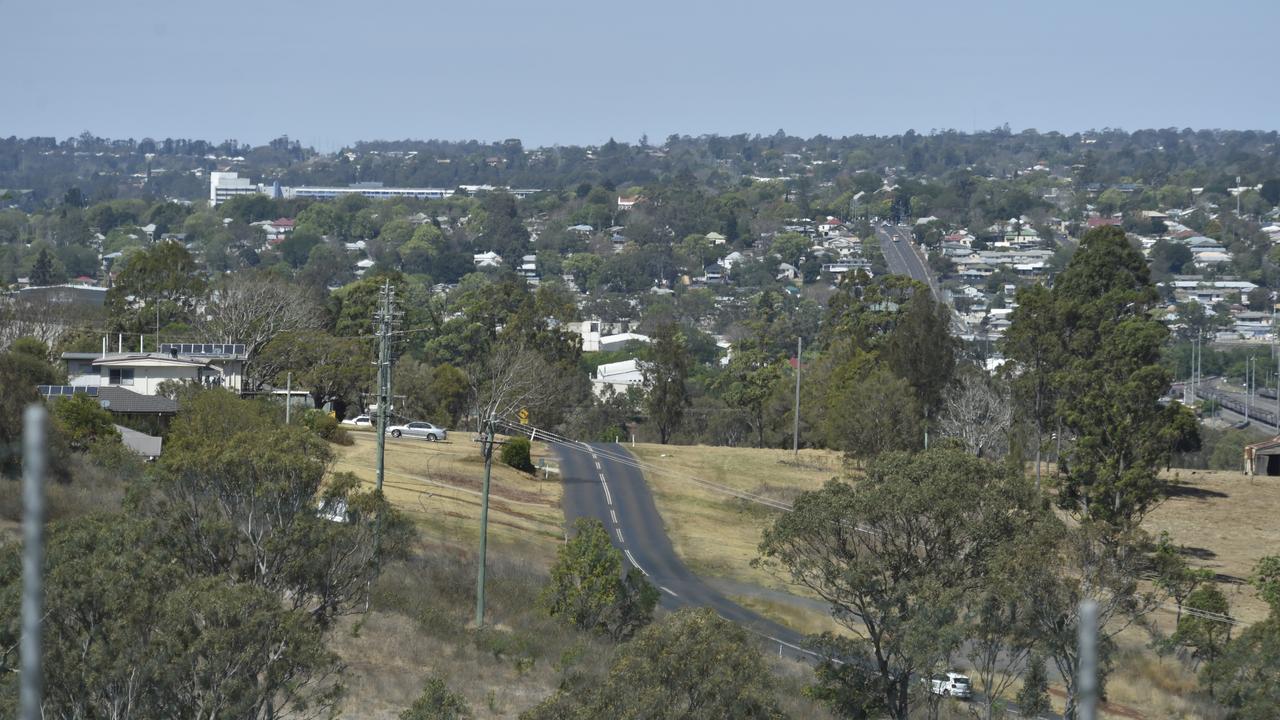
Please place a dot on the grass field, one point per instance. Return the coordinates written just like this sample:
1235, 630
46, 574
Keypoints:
1227, 521
438, 485
715, 533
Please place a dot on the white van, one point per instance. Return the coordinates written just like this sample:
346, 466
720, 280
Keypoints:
951, 684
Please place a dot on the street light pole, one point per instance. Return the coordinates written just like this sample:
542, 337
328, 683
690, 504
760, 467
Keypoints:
795, 430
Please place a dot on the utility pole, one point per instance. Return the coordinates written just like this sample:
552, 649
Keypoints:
795, 430
288, 396
383, 320
1248, 388
487, 448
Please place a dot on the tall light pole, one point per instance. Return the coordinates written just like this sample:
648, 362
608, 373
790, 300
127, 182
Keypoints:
795, 430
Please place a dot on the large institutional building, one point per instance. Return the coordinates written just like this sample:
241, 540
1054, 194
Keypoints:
225, 185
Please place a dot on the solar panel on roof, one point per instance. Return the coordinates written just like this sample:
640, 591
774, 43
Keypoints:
66, 390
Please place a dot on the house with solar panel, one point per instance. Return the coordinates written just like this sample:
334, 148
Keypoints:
205, 364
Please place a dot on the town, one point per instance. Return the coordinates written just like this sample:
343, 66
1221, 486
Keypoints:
505, 361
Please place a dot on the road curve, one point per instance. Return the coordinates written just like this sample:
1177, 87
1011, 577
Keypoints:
599, 483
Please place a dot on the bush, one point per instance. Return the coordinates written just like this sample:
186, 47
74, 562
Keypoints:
437, 702
516, 454
326, 426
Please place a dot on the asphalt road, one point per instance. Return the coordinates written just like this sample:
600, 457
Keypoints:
902, 257
600, 486
599, 483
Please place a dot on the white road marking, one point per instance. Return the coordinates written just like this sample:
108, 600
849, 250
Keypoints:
613, 515
598, 465
635, 564
668, 591
620, 538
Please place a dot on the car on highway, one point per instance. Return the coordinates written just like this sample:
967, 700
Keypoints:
424, 430
951, 684
359, 421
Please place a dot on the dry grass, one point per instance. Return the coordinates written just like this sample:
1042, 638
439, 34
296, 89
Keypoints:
717, 534
438, 485
418, 627
1228, 521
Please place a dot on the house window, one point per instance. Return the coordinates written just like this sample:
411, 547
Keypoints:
121, 376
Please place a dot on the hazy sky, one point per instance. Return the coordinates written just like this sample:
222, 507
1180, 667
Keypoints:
329, 73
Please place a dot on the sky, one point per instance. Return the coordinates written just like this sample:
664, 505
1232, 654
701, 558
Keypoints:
580, 72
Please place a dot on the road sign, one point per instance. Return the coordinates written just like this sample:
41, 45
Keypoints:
524, 416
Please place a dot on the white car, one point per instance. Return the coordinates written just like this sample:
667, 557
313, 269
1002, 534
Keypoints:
359, 421
419, 430
951, 684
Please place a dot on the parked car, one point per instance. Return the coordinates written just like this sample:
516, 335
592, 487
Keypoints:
419, 430
951, 684
359, 421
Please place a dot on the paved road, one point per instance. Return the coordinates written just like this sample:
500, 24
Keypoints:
599, 483
899, 252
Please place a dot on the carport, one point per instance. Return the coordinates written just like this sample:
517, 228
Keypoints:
1263, 458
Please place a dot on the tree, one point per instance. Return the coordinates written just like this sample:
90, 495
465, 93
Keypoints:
83, 421
841, 682
921, 350
437, 702
1246, 678
331, 368
1074, 564
1173, 574
977, 412
25, 366
693, 665
664, 373
1206, 636
238, 492
588, 589
42, 273
869, 410
515, 453
165, 274
253, 308
1110, 382
1033, 697
747, 384
438, 394
128, 634
896, 553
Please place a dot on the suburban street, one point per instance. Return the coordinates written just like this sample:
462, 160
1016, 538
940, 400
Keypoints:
902, 257
599, 483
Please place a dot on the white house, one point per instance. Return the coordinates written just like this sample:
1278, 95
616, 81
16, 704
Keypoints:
620, 340
209, 364
144, 372
487, 259
619, 376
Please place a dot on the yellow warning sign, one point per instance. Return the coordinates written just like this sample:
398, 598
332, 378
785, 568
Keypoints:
524, 416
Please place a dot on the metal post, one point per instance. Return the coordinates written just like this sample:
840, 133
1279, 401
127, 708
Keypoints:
1087, 671
35, 423
484, 521
795, 429
288, 396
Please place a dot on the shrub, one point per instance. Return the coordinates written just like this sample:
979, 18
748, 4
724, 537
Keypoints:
516, 454
326, 426
437, 702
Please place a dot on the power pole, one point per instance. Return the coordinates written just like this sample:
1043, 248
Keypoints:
487, 448
795, 430
288, 396
383, 320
